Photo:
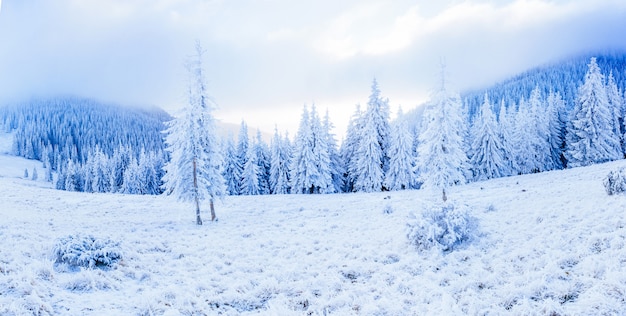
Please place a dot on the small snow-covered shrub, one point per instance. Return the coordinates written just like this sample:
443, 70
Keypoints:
615, 181
442, 226
86, 251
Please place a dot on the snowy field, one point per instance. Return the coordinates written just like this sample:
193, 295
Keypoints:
549, 244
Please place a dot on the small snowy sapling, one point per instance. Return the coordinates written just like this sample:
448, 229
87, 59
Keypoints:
445, 226
86, 251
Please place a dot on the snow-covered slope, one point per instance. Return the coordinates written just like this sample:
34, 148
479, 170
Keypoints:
549, 243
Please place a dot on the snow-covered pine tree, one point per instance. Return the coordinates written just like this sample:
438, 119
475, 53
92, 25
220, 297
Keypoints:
35, 176
336, 165
148, 176
194, 171
25, 173
556, 122
614, 97
302, 158
487, 155
524, 139
540, 139
279, 167
591, 137
369, 174
72, 177
232, 169
132, 178
441, 159
242, 150
262, 153
349, 148
400, 175
378, 112
505, 122
250, 175
322, 182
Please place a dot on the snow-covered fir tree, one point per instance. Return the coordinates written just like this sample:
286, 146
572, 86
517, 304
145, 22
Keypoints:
243, 143
336, 165
441, 158
556, 124
262, 152
614, 97
505, 121
303, 169
487, 156
322, 182
591, 136
194, 170
132, 178
250, 174
524, 135
232, 169
539, 132
349, 148
368, 169
400, 175
279, 166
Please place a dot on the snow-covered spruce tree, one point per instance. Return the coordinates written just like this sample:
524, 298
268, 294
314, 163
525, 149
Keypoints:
591, 137
505, 122
441, 159
194, 170
279, 166
369, 174
336, 165
349, 148
232, 169
262, 152
303, 169
242, 150
487, 152
250, 174
556, 123
525, 135
148, 175
614, 97
132, 179
400, 175
372, 158
323, 182
34, 176
101, 181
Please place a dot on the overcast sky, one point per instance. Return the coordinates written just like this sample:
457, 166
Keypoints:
266, 58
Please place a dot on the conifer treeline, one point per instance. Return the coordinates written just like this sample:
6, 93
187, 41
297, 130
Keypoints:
513, 132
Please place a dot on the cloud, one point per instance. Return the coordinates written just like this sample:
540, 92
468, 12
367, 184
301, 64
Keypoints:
270, 57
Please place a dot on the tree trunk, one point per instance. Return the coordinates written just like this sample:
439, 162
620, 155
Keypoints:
445, 198
195, 189
212, 210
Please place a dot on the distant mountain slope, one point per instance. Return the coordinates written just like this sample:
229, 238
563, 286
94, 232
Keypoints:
564, 77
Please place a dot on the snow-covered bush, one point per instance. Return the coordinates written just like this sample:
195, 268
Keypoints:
615, 181
86, 251
442, 226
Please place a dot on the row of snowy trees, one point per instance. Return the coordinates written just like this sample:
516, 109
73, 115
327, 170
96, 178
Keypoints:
537, 133
121, 172
534, 133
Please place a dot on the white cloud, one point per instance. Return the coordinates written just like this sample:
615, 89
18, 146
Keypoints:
266, 56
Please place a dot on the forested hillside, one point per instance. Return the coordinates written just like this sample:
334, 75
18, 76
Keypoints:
564, 77
87, 141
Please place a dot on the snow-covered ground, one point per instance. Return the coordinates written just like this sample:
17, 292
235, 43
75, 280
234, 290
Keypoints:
550, 243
